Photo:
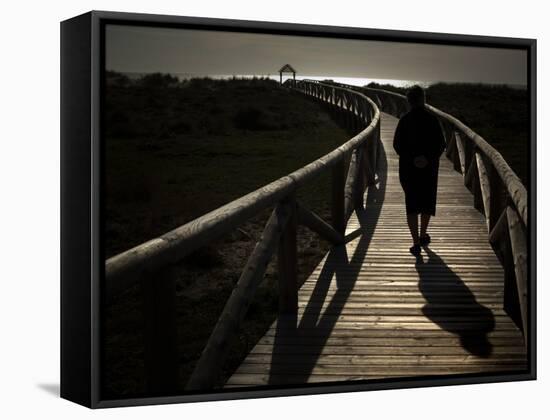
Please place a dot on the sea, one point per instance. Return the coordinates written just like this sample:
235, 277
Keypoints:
355, 81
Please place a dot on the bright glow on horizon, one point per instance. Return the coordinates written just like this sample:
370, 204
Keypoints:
361, 81
355, 81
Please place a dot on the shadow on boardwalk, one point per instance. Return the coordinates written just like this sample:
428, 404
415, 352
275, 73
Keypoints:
436, 282
339, 265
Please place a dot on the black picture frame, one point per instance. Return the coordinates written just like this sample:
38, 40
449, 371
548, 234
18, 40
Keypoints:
82, 260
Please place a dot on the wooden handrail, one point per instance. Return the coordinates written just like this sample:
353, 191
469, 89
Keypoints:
362, 117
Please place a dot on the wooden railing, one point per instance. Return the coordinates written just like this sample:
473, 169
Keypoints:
150, 263
498, 194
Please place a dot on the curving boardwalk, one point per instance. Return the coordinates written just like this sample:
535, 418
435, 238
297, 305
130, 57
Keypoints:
369, 310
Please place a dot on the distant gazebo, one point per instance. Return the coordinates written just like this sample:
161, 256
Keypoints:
287, 68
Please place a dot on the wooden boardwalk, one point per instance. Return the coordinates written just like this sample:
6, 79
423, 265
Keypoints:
369, 310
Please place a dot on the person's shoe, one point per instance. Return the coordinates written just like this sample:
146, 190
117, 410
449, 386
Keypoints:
415, 250
425, 240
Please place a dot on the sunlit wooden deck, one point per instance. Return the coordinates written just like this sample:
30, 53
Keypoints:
369, 310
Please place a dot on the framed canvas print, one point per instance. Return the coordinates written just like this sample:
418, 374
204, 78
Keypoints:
256, 209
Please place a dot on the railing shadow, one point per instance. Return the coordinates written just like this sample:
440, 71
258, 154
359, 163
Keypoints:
472, 325
316, 321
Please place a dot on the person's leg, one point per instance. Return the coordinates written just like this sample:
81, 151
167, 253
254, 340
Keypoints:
412, 221
411, 208
424, 221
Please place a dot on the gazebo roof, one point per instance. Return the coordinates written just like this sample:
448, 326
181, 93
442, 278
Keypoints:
287, 67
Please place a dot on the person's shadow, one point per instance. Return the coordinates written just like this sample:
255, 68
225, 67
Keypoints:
452, 305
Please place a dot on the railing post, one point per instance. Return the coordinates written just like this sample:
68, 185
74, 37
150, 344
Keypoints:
359, 185
497, 199
472, 181
475, 184
370, 156
341, 113
518, 244
378, 146
501, 242
469, 153
287, 262
483, 186
160, 335
460, 157
362, 123
351, 112
450, 144
338, 196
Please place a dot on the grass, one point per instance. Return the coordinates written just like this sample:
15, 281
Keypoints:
204, 144
175, 151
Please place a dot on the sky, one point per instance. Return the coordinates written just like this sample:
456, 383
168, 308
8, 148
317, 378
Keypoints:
188, 53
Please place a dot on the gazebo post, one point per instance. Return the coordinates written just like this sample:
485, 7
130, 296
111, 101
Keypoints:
287, 68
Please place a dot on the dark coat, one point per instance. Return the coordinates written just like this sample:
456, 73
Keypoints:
419, 133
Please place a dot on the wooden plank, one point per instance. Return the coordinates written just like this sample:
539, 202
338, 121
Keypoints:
379, 342
380, 370
380, 350
338, 198
348, 329
417, 319
424, 310
327, 327
287, 263
259, 379
373, 360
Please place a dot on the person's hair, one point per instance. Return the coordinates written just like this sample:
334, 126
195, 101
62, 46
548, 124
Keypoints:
416, 96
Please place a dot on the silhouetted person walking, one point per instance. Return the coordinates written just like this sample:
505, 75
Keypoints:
419, 142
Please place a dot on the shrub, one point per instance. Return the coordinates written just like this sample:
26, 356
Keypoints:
249, 118
158, 80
